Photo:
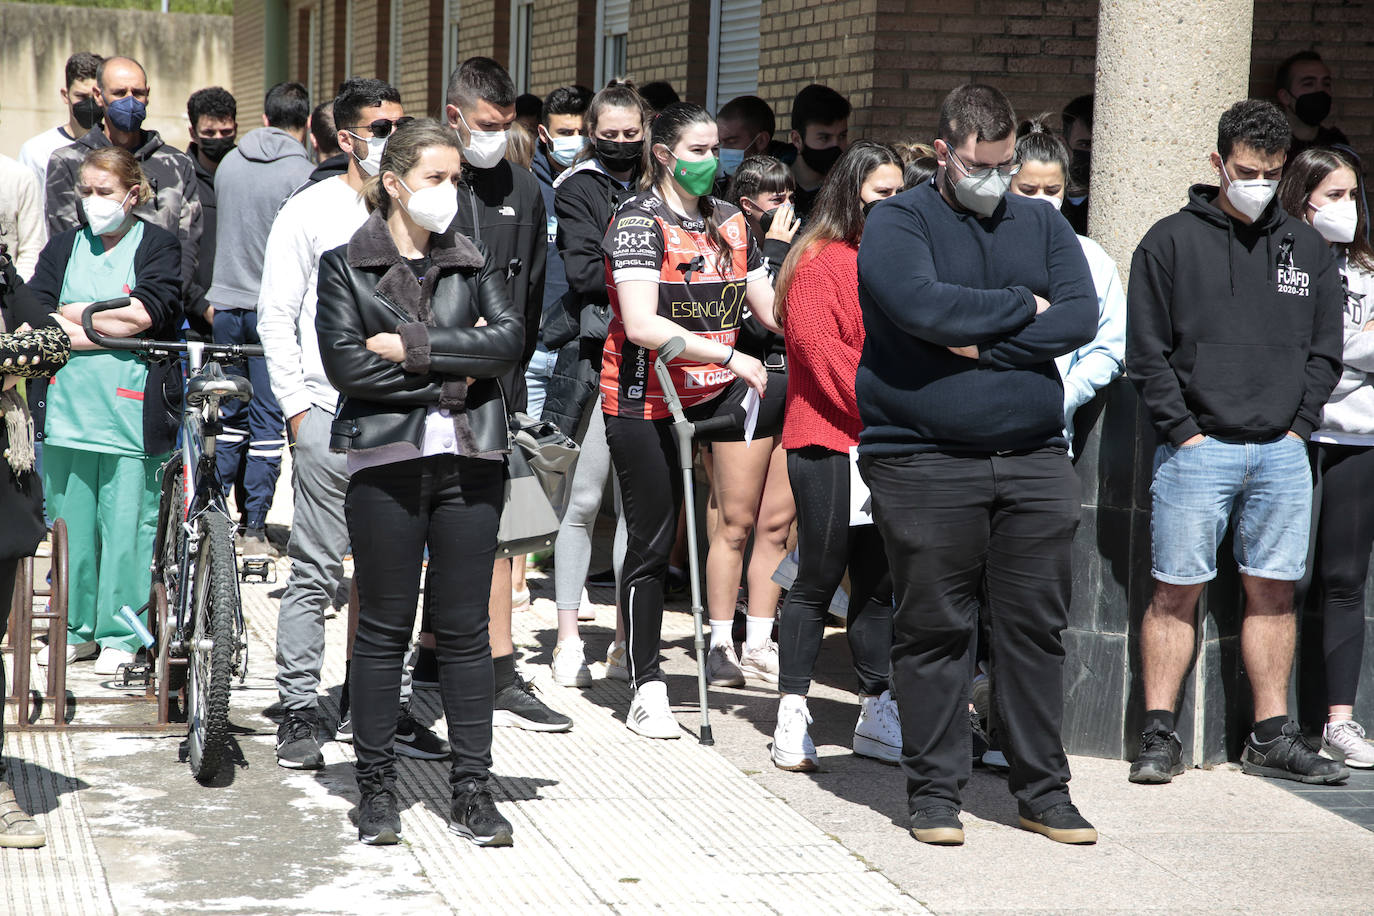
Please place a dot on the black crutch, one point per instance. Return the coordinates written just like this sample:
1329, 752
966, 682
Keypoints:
684, 430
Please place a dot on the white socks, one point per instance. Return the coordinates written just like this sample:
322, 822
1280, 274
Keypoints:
757, 632
721, 633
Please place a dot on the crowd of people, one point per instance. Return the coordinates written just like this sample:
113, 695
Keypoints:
911, 331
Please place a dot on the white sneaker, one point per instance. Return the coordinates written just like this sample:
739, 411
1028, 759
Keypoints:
569, 665
792, 746
650, 715
110, 659
520, 601
762, 663
585, 610
722, 667
878, 733
76, 652
1345, 741
616, 669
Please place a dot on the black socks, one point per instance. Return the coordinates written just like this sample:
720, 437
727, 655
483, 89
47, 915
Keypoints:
1269, 729
1163, 719
503, 669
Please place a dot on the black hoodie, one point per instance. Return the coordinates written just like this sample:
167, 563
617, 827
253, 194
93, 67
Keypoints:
1233, 330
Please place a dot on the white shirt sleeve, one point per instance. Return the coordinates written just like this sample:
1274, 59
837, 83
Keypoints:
286, 271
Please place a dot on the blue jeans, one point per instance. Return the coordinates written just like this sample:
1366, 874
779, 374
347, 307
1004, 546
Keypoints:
1197, 489
537, 380
256, 428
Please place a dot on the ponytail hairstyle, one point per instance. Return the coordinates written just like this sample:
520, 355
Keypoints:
1036, 142
617, 94
759, 175
1308, 170
401, 154
918, 163
668, 128
838, 214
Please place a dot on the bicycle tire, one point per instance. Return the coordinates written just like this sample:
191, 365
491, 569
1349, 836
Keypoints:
167, 569
210, 667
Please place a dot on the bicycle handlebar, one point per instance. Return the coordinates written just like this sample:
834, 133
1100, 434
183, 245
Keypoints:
169, 347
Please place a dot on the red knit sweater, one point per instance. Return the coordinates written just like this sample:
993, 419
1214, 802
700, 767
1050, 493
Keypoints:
824, 331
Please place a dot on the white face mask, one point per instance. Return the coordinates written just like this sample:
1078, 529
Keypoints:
375, 145
1050, 199
1336, 221
1250, 197
103, 214
487, 146
565, 149
432, 208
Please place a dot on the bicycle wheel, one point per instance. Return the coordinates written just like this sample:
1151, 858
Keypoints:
211, 658
167, 569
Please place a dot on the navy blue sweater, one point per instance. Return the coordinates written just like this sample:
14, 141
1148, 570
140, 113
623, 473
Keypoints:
933, 277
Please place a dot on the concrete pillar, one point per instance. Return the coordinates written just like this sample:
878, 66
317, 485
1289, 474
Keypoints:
1166, 70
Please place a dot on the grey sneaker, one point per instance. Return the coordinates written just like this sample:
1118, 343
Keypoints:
17, 829
722, 667
762, 663
255, 544
1345, 741
297, 746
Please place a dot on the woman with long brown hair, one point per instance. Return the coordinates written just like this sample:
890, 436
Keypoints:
1324, 188
683, 264
817, 301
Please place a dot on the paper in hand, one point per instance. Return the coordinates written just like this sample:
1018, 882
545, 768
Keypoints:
751, 415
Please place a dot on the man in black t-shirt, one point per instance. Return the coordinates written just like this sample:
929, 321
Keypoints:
820, 132
1303, 84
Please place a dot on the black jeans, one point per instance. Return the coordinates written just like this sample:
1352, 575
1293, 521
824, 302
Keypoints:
826, 545
957, 529
645, 458
8, 570
1343, 537
452, 505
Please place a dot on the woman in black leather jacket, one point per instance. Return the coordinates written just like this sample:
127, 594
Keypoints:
415, 325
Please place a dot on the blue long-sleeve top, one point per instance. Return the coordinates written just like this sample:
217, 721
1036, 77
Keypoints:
931, 277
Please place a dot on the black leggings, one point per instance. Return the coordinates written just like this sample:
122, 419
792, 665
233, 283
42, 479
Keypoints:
8, 570
644, 455
1344, 537
826, 544
453, 505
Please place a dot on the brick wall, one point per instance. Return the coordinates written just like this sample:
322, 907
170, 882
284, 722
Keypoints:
822, 41
365, 38
249, 47
1342, 31
484, 30
564, 44
668, 41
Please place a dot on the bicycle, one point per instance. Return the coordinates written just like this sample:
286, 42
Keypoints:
194, 608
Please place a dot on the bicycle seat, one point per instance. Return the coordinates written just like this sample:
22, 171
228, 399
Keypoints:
203, 387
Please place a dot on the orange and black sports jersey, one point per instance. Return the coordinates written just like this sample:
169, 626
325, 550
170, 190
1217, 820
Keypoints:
648, 241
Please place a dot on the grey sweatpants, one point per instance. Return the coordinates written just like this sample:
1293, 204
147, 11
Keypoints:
574, 545
319, 539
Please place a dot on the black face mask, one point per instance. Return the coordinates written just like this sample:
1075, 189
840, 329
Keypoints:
618, 156
1312, 107
1080, 168
821, 161
88, 112
868, 207
766, 219
215, 148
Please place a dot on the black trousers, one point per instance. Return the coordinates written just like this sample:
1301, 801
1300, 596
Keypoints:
1343, 538
8, 570
644, 455
957, 529
826, 545
452, 505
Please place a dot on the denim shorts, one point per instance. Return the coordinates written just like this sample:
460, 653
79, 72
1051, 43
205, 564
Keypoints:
1197, 489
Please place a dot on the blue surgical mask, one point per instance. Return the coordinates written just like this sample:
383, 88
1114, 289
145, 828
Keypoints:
564, 150
730, 160
126, 114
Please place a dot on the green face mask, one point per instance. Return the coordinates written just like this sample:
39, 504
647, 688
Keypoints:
696, 178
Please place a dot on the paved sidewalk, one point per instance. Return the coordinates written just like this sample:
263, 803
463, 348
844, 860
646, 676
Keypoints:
607, 822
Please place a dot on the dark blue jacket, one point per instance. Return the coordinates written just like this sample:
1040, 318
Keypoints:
555, 278
933, 277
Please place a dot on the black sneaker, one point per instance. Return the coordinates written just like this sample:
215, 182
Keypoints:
517, 707
1160, 758
473, 815
980, 736
1063, 824
343, 731
379, 823
297, 746
425, 674
414, 740
677, 583
603, 579
1289, 756
938, 825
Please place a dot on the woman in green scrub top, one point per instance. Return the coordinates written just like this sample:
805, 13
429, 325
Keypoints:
108, 418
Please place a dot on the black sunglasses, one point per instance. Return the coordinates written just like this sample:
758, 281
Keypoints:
382, 127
